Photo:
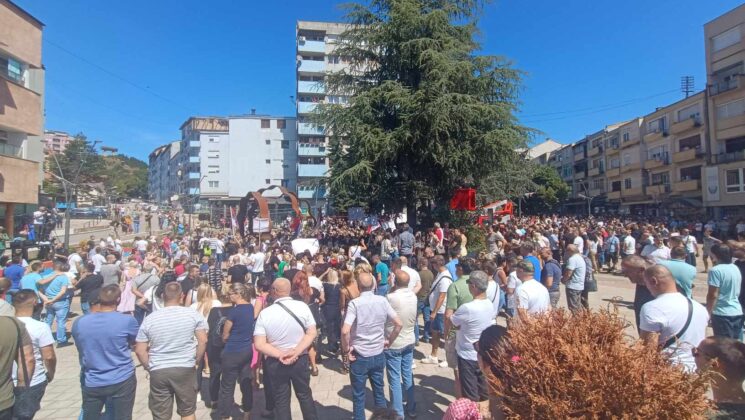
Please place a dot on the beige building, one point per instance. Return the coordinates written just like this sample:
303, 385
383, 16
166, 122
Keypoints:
724, 177
21, 113
56, 141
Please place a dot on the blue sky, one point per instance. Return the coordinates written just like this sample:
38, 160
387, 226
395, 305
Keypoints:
129, 73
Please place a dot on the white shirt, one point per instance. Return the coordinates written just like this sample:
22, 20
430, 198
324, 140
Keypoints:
404, 303
98, 260
629, 245
141, 245
655, 253
41, 336
492, 295
280, 328
440, 284
414, 278
513, 282
472, 318
315, 283
579, 242
666, 315
533, 297
74, 259
690, 243
258, 262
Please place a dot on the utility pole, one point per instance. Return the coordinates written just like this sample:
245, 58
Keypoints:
686, 85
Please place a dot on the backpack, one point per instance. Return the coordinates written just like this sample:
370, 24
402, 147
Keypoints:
215, 337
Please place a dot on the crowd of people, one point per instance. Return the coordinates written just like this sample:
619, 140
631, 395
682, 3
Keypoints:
255, 313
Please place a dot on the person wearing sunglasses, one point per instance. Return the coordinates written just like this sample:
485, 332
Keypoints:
726, 357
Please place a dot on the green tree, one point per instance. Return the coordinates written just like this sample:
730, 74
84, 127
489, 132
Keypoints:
79, 164
125, 176
550, 190
427, 113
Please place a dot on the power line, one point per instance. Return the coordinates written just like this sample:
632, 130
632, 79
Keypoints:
622, 103
116, 76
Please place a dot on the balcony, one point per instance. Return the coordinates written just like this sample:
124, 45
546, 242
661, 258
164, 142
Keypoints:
654, 136
633, 192
579, 156
685, 125
310, 170
657, 161
594, 192
311, 46
310, 129
630, 142
20, 109
614, 195
725, 85
729, 157
309, 150
10, 150
193, 159
613, 172
595, 171
310, 87
312, 66
193, 175
687, 155
657, 190
306, 107
612, 149
631, 167
195, 143
594, 151
686, 186
20, 180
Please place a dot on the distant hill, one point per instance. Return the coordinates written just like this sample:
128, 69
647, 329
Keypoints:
127, 174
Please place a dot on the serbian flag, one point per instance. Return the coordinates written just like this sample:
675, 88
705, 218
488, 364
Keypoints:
463, 199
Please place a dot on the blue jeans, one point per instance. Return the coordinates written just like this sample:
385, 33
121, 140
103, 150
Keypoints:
359, 371
691, 258
85, 307
426, 311
382, 290
398, 367
59, 310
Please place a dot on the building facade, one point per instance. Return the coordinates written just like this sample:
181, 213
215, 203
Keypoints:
316, 42
56, 141
162, 173
21, 113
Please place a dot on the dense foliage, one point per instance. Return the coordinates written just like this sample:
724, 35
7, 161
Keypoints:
427, 113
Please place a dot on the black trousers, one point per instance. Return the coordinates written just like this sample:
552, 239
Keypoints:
236, 366
472, 381
297, 374
121, 397
333, 326
215, 364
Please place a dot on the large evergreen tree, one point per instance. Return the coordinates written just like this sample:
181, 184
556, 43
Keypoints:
79, 164
427, 113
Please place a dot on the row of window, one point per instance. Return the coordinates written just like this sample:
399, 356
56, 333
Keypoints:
280, 124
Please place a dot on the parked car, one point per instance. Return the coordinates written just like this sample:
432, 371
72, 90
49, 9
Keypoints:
82, 212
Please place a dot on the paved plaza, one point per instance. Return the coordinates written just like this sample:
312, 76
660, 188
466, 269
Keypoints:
331, 389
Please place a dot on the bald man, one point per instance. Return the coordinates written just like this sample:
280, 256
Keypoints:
364, 337
399, 356
633, 267
672, 321
283, 333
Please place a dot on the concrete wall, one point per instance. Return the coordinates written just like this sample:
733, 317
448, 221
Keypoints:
20, 34
18, 180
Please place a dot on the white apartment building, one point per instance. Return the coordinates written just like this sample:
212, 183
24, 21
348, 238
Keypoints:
315, 58
162, 167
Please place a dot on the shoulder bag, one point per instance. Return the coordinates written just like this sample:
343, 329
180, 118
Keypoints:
677, 336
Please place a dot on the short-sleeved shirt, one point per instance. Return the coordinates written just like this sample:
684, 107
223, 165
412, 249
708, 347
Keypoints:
367, 315
279, 327
666, 315
238, 273
404, 303
242, 332
89, 286
533, 297
14, 273
414, 279
382, 269
451, 265
552, 269
579, 269
170, 333
472, 319
56, 285
536, 266
41, 336
110, 273
427, 278
440, 284
29, 281
458, 293
103, 340
728, 279
683, 273
9, 328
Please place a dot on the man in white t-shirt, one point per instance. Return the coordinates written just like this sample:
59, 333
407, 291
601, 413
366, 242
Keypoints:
141, 246
657, 251
28, 399
472, 319
663, 320
437, 300
76, 263
415, 281
689, 241
579, 241
98, 260
628, 247
257, 262
532, 297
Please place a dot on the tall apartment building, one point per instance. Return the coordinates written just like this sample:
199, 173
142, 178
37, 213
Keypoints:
222, 159
725, 54
315, 58
162, 167
56, 141
21, 113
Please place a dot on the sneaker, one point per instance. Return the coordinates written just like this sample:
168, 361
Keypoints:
429, 360
413, 366
443, 364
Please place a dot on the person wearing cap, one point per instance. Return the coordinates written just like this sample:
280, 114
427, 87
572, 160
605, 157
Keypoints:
472, 319
532, 297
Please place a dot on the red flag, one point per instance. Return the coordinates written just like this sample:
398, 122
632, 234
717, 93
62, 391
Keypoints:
463, 199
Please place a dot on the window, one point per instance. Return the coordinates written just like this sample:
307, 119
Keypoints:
213, 184
268, 161
688, 112
268, 181
725, 39
214, 140
281, 124
266, 123
333, 59
627, 183
11, 69
615, 163
731, 109
626, 159
615, 186
693, 142
598, 184
285, 144
661, 178
213, 169
657, 153
726, 79
657, 125
268, 142
735, 181
626, 137
213, 156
